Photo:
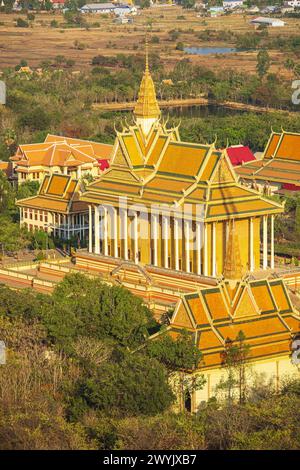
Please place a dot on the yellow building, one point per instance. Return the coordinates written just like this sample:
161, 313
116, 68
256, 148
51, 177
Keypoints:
64, 155
261, 309
56, 209
167, 203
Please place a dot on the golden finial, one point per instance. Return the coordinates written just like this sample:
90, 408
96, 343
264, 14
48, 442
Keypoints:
233, 269
147, 106
146, 53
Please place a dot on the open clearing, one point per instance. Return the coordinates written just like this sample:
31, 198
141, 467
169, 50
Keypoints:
42, 42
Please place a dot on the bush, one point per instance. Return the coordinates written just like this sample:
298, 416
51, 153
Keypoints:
35, 119
180, 46
20, 23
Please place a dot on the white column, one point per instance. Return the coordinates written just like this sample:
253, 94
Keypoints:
104, 231
124, 231
176, 243
114, 228
251, 246
69, 220
135, 238
165, 240
97, 228
198, 246
214, 257
90, 230
205, 249
272, 241
154, 224
187, 245
265, 242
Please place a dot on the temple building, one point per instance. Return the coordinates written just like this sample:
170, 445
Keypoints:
279, 168
261, 309
63, 155
56, 209
167, 203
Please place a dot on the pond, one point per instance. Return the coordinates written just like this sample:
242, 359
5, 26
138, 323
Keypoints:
201, 111
209, 50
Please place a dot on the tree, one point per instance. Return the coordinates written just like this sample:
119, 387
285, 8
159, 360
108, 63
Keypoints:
188, 4
36, 118
181, 357
6, 194
263, 63
137, 385
27, 189
235, 361
88, 307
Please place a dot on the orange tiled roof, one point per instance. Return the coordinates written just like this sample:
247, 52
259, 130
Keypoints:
5, 167
262, 310
57, 193
280, 162
61, 151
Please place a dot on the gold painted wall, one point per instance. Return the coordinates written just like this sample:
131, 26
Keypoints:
276, 370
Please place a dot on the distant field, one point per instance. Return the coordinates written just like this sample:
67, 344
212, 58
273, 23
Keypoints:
41, 42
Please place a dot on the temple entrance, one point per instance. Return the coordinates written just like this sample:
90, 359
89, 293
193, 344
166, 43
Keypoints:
187, 401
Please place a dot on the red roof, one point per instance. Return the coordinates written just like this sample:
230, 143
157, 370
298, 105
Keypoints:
290, 187
103, 164
239, 154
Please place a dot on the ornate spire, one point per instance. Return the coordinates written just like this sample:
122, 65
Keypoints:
147, 106
233, 269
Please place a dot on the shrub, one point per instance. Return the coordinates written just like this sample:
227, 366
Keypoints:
20, 23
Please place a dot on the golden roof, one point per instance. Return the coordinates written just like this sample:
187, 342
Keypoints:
160, 168
57, 193
147, 106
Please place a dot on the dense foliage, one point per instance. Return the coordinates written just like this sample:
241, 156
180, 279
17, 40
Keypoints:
91, 392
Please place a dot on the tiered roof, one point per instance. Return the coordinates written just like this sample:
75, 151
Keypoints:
57, 193
61, 151
160, 168
262, 310
280, 162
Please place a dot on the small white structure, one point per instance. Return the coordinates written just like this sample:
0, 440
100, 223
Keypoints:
274, 22
253, 9
232, 4
102, 8
119, 9
122, 10
292, 3
216, 11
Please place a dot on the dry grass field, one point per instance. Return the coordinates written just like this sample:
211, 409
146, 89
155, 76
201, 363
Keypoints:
41, 41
